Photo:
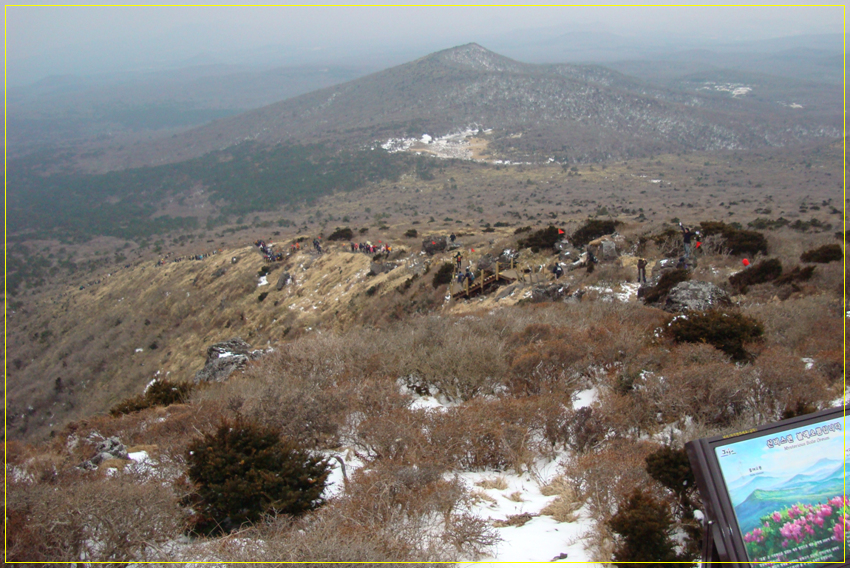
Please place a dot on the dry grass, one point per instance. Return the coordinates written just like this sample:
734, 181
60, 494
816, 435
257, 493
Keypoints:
498, 482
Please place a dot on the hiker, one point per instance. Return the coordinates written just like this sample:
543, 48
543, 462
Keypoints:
686, 238
459, 260
452, 237
557, 270
591, 261
470, 276
682, 263
642, 270
460, 277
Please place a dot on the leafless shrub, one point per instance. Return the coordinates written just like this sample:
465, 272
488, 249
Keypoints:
696, 381
777, 382
95, 519
600, 477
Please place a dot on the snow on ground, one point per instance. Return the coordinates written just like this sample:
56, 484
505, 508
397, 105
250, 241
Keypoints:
264, 281
585, 398
541, 538
737, 89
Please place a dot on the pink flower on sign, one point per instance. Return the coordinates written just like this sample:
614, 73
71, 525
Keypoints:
838, 532
776, 516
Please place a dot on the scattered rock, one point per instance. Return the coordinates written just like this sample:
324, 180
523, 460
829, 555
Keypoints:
695, 295
219, 272
507, 291
285, 278
550, 292
109, 449
507, 256
486, 262
380, 267
604, 248
225, 357
561, 556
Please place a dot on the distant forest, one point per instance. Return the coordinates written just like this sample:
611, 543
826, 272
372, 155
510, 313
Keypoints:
241, 180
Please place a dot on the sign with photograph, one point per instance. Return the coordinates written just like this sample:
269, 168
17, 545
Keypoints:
787, 492
777, 492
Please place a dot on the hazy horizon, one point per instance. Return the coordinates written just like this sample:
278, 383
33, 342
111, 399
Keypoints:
45, 41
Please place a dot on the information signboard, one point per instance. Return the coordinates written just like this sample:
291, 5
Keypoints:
776, 493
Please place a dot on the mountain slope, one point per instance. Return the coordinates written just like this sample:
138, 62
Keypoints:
568, 112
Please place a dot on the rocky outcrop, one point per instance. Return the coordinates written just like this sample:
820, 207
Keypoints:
695, 295
284, 279
549, 293
109, 449
376, 268
606, 248
487, 262
224, 358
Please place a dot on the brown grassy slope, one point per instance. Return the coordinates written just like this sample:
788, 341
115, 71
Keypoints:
61, 332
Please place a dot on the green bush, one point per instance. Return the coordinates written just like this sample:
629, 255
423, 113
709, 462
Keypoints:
737, 240
159, 393
246, 471
344, 234
443, 275
725, 331
542, 239
796, 275
593, 229
411, 233
521, 230
824, 254
764, 271
672, 469
666, 282
644, 528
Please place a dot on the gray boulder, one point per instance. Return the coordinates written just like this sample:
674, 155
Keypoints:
284, 279
549, 293
376, 268
109, 449
225, 357
695, 295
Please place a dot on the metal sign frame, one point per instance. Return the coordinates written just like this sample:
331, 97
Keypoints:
724, 541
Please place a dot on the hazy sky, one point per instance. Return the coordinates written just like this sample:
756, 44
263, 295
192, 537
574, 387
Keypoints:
78, 40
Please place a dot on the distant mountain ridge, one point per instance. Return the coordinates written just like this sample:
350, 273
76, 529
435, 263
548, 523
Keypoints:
571, 113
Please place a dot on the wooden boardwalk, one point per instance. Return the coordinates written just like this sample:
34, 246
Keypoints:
486, 282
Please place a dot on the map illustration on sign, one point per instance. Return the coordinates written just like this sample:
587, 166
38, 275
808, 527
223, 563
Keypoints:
787, 491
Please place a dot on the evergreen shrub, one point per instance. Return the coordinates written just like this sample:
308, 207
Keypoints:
160, 393
542, 239
725, 331
593, 229
644, 527
666, 282
245, 471
341, 234
824, 254
764, 271
796, 275
443, 275
737, 240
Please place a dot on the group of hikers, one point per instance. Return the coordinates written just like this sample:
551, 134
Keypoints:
269, 254
369, 248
